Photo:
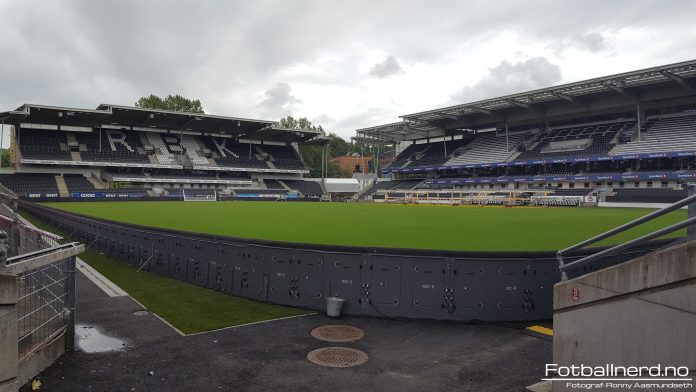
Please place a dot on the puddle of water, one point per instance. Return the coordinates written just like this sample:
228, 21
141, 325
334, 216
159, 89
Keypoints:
140, 313
91, 340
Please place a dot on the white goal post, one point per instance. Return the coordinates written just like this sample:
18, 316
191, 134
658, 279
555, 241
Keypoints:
192, 196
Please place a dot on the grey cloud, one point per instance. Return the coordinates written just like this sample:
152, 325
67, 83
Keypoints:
389, 67
593, 42
508, 78
278, 101
82, 52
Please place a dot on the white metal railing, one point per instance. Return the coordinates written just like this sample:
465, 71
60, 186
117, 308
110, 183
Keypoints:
690, 221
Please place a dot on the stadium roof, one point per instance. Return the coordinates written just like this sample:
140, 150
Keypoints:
129, 116
580, 98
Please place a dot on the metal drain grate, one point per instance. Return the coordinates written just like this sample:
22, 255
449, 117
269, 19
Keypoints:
337, 333
337, 357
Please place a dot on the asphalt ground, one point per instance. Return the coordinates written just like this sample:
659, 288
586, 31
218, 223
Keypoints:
403, 355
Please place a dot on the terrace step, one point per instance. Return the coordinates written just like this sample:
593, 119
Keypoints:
62, 187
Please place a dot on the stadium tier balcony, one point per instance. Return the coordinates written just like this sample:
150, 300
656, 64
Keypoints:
667, 134
307, 188
576, 142
25, 183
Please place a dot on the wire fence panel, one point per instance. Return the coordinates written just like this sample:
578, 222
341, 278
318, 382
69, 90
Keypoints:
45, 305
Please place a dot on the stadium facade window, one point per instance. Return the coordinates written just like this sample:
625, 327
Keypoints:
636, 184
586, 185
664, 184
571, 185
609, 184
649, 184
621, 184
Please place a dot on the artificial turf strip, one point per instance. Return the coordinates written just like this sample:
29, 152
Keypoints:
379, 225
188, 307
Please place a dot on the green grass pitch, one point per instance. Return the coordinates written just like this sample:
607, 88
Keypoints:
378, 225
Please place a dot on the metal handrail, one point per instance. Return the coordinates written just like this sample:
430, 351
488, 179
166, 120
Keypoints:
562, 266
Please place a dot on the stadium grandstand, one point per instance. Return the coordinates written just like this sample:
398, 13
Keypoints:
627, 138
120, 152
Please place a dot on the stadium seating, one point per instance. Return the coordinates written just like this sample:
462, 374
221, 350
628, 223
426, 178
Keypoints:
231, 153
42, 144
575, 142
488, 148
115, 146
78, 183
273, 184
435, 155
646, 195
674, 133
307, 188
283, 157
25, 183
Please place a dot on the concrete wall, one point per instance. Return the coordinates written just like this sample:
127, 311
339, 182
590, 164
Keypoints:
8, 333
639, 313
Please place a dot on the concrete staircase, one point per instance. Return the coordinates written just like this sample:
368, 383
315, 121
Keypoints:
75, 156
96, 182
62, 187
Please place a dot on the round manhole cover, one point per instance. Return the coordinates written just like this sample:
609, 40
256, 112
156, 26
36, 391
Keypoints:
337, 333
337, 357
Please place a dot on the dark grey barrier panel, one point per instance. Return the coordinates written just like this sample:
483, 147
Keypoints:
160, 254
343, 274
489, 286
249, 279
281, 271
384, 285
178, 258
199, 255
429, 287
308, 289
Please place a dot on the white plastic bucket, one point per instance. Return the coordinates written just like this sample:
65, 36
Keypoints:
334, 305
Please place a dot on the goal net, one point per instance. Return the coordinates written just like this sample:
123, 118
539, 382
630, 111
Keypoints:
199, 194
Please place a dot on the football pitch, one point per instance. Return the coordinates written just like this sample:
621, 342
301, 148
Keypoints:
378, 225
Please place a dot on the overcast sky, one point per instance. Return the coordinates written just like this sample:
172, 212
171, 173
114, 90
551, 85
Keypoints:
342, 64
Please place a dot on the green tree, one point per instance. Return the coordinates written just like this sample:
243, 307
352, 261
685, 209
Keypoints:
5, 157
312, 154
175, 103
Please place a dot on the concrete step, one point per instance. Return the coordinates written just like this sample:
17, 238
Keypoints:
96, 182
62, 186
75, 156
